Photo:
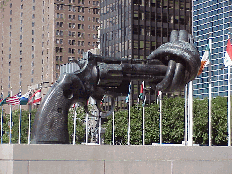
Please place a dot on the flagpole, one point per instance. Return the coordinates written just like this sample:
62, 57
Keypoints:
128, 140
186, 115
86, 129
229, 109
113, 127
99, 129
161, 136
144, 113
10, 118
190, 141
29, 124
229, 105
1, 123
210, 93
75, 120
20, 115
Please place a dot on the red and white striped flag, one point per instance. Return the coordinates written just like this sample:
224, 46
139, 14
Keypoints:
228, 55
14, 100
36, 97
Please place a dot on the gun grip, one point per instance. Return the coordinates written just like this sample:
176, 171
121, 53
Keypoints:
51, 120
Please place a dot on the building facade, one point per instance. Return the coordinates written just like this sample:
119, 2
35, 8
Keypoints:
37, 36
212, 19
134, 28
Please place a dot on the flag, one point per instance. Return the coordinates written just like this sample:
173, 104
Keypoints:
36, 97
24, 98
228, 55
14, 100
143, 94
128, 96
141, 91
4, 100
204, 60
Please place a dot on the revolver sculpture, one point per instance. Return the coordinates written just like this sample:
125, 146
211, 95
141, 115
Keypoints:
167, 69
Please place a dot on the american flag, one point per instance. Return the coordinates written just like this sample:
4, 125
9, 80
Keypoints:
14, 100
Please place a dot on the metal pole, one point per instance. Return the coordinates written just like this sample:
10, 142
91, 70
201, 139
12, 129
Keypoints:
128, 141
86, 129
75, 120
113, 127
143, 113
10, 123
229, 109
99, 130
190, 141
29, 125
186, 115
1, 124
20, 117
10, 117
210, 95
161, 137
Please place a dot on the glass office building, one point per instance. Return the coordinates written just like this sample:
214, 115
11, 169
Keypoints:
212, 18
134, 28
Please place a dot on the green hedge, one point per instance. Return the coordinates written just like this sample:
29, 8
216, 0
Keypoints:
173, 123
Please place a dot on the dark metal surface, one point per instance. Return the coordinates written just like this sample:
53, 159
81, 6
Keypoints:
168, 68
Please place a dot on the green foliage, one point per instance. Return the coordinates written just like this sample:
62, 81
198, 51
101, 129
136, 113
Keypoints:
15, 126
173, 123
200, 119
80, 128
219, 121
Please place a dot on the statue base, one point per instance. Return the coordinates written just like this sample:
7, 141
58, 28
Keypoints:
108, 159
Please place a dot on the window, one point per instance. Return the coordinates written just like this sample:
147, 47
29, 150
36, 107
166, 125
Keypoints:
61, 41
33, 16
33, 8
21, 6
32, 48
33, 24
32, 32
20, 44
10, 12
32, 40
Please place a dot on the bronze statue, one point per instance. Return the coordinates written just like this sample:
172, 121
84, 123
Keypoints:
167, 69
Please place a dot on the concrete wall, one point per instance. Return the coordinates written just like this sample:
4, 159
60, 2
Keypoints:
54, 159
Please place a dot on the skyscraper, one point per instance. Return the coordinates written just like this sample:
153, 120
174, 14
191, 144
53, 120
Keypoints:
212, 19
133, 29
38, 35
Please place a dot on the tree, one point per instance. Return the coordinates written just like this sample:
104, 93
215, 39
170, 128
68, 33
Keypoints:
80, 128
15, 126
